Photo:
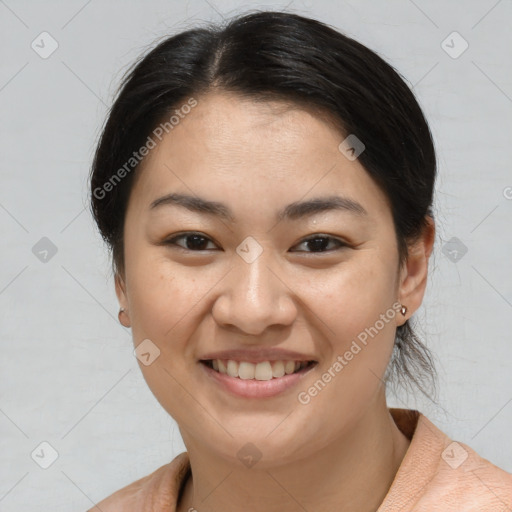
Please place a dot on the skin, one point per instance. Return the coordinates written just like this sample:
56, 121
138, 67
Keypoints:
343, 447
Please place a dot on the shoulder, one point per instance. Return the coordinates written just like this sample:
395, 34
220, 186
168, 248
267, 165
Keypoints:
463, 477
155, 492
438, 473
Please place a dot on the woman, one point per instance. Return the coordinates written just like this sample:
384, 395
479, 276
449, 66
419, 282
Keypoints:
266, 190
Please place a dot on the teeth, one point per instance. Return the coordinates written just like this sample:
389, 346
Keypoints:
246, 370
222, 366
289, 367
278, 369
265, 370
232, 368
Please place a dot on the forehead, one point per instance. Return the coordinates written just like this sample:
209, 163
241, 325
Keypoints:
254, 154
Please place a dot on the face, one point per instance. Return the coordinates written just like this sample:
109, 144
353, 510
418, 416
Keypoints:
200, 281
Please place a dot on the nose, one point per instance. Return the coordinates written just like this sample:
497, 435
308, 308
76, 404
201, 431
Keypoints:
255, 296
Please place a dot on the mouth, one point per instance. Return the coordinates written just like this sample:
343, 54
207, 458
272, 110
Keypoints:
261, 371
264, 379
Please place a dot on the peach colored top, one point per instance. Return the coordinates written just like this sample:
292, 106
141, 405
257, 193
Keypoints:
436, 475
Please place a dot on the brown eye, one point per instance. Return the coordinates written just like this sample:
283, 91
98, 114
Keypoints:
193, 242
319, 243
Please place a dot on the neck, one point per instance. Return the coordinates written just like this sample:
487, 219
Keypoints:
352, 474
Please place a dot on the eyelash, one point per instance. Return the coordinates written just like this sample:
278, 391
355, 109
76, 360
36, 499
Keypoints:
172, 242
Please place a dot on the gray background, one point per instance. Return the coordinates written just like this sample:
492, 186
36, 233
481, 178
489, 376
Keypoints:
68, 374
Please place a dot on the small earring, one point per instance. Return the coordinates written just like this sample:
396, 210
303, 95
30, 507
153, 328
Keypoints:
403, 310
119, 314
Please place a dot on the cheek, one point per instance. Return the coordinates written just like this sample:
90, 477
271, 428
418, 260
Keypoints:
167, 300
159, 296
352, 297
359, 342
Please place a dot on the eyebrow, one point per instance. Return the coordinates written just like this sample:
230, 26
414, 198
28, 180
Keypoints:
293, 211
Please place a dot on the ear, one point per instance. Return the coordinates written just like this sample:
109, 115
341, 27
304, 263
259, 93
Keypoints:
120, 287
414, 274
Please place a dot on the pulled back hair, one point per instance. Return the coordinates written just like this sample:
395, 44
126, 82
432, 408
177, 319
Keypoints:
266, 55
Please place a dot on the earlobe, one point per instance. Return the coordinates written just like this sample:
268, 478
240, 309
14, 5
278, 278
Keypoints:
414, 275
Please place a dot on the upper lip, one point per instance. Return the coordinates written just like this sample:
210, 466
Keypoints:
258, 355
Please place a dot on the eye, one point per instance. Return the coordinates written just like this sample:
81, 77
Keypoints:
196, 242
193, 241
318, 243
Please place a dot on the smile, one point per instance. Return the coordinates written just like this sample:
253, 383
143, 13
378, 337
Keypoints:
256, 380
264, 370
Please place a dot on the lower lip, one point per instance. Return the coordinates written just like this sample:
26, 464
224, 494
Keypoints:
252, 388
